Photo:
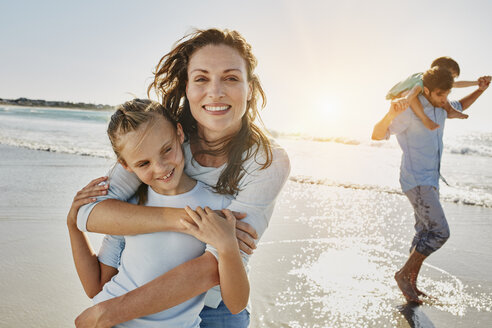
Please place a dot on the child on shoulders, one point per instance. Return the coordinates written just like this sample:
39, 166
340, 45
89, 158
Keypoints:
406, 92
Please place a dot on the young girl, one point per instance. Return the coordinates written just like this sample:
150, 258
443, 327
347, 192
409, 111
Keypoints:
406, 92
148, 143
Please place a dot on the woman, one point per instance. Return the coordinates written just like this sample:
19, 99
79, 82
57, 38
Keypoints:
208, 83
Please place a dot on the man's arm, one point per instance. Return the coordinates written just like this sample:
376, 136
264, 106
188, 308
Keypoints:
174, 287
381, 128
483, 84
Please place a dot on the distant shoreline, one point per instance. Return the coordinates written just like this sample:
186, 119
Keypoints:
53, 104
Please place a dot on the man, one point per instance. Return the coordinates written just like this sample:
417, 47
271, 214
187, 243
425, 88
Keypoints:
420, 168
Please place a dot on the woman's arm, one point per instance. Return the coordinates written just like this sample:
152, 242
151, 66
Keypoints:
219, 232
198, 275
111, 214
92, 274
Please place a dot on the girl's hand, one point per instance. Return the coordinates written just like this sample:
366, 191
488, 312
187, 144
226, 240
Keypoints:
85, 196
211, 228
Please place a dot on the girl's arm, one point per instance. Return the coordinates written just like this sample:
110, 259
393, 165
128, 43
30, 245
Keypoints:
111, 214
219, 232
464, 84
188, 280
198, 275
92, 274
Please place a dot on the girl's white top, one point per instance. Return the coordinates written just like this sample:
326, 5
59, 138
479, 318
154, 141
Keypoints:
144, 257
259, 189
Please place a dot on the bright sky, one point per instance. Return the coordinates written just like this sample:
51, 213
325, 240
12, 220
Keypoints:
325, 66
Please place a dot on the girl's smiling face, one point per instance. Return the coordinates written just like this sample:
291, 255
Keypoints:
217, 90
153, 152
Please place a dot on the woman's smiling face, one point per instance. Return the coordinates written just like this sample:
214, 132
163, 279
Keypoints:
217, 90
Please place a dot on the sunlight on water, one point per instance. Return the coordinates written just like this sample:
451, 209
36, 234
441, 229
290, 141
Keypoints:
340, 272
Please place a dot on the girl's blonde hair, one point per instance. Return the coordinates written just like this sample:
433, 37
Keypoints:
128, 117
170, 79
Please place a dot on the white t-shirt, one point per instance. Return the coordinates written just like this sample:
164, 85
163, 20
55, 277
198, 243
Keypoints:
144, 257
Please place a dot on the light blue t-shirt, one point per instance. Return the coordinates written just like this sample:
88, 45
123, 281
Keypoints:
144, 257
422, 148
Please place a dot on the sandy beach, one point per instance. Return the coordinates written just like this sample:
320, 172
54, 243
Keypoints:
327, 259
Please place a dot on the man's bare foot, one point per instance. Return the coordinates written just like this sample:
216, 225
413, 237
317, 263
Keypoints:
413, 281
406, 288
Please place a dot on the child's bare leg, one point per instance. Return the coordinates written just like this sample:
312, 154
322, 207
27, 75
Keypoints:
452, 112
418, 109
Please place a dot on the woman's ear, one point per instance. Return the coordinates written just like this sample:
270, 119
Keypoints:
180, 133
125, 166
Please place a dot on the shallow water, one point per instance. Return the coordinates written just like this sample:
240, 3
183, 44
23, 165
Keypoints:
337, 271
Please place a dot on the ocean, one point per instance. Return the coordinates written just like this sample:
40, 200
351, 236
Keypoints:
340, 229
335, 161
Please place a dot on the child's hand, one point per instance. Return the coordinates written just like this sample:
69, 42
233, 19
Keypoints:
400, 103
398, 106
211, 228
483, 83
85, 196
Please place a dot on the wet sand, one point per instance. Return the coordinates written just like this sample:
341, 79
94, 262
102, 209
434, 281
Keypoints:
327, 259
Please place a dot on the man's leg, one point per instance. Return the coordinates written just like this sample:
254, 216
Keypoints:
404, 276
432, 232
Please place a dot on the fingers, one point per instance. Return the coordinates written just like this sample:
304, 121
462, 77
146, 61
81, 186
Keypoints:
245, 248
190, 227
96, 182
194, 215
245, 238
239, 215
229, 216
93, 189
247, 228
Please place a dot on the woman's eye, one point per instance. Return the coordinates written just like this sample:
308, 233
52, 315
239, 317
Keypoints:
232, 78
200, 79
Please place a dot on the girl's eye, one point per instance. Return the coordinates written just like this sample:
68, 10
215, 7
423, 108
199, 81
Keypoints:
143, 164
168, 150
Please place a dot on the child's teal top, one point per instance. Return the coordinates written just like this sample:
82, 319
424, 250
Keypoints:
406, 85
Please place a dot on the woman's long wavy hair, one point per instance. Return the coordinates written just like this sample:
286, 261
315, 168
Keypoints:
170, 79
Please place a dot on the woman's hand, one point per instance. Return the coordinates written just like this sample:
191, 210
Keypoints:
85, 196
211, 228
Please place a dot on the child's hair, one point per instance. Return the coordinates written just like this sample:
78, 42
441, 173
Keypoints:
447, 63
438, 78
129, 117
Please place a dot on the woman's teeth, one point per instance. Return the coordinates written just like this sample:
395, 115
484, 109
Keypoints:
216, 108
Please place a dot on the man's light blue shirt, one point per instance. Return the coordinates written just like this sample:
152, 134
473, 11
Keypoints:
422, 148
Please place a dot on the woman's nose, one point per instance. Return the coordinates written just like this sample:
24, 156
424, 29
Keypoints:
216, 89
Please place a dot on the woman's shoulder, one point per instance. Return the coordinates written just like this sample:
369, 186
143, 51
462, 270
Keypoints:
277, 156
